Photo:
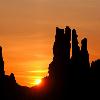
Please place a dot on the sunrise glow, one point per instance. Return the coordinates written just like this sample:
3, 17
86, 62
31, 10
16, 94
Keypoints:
38, 81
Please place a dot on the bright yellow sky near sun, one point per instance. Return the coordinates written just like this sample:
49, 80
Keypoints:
27, 29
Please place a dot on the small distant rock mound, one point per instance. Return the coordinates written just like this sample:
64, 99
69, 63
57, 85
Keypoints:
9, 89
7, 83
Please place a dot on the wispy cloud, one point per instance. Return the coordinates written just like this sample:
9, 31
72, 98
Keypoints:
38, 71
29, 77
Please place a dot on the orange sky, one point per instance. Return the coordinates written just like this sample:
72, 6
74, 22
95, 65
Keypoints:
27, 29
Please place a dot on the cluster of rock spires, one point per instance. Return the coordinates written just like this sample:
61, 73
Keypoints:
70, 74
66, 71
62, 59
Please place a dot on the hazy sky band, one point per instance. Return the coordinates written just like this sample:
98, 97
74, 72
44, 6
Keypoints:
27, 29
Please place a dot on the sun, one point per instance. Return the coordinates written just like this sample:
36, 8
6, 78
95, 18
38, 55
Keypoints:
38, 81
